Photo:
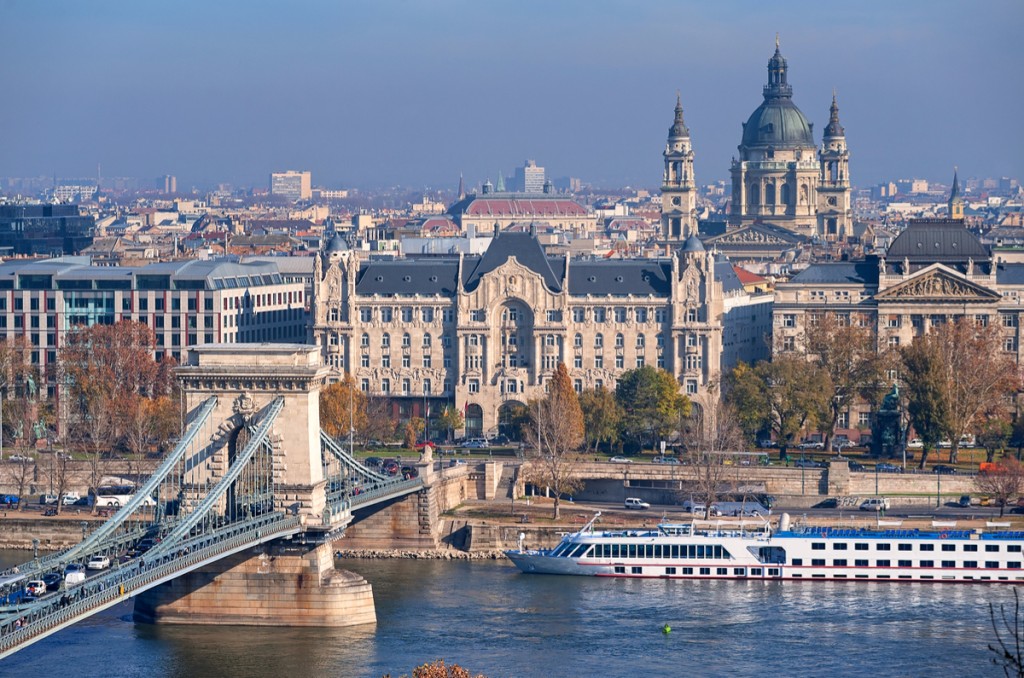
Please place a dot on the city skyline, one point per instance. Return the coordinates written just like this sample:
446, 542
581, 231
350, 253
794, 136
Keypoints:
402, 94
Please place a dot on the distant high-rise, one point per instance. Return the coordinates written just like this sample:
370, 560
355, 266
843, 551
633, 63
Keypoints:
44, 229
168, 183
292, 185
530, 178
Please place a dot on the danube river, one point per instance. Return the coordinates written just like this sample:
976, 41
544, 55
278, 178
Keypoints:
492, 620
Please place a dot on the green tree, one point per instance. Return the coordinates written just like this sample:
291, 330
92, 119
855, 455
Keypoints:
342, 407
450, 420
554, 439
924, 376
785, 396
651, 404
602, 416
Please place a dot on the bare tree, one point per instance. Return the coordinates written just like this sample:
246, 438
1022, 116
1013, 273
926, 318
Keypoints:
1009, 637
61, 477
554, 438
21, 474
715, 433
1002, 483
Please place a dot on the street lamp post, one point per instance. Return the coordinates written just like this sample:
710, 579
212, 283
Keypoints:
35, 549
85, 526
876, 479
938, 490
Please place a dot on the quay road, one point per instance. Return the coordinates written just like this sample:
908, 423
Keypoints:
676, 512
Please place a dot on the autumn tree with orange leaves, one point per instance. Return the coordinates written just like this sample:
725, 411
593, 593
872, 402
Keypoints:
106, 371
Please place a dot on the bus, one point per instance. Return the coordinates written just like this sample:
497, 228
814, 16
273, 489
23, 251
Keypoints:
116, 496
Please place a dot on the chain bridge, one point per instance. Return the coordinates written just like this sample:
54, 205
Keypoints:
252, 469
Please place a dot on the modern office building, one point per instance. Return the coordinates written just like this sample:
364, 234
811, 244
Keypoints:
44, 230
187, 303
530, 178
292, 185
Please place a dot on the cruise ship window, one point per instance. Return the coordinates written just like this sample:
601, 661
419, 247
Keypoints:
818, 562
949, 547
798, 561
949, 563
906, 547
904, 563
882, 563
992, 548
860, 546
883, 547
927, 563
927, 547
970, 563
839, 546
1013, 548
860, 563
970, 547
839, 562
818, 546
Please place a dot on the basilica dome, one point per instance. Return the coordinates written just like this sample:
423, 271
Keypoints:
777, 122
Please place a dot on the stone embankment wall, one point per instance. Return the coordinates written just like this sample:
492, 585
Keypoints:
53, 533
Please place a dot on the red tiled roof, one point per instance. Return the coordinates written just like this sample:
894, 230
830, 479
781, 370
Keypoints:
746, 277
525, 207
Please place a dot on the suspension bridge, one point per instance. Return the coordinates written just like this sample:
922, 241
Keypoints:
251, 468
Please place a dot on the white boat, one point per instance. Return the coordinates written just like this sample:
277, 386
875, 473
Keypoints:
745, 550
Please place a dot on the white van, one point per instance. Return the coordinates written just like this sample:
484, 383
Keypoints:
875, 504
636, 503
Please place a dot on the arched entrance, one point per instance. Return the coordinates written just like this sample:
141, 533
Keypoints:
511, 417
474, 421
252, 493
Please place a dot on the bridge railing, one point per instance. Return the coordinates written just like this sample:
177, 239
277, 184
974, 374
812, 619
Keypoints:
102, 592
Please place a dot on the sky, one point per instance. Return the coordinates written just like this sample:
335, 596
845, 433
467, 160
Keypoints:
382, 93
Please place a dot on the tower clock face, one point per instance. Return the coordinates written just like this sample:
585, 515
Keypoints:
832, 201
675, 200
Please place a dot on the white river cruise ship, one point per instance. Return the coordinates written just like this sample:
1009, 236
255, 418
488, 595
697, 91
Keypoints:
720, 550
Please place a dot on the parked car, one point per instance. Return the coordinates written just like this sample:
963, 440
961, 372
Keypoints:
20, 458
9, 499
888, 468
965, 501
915, 444
811, 445
476, 443
70, 498
808, 463
621, 460
98, 563
766, 442
665, 460
875, 504
500, 440
48, 499
942, 469
636, 503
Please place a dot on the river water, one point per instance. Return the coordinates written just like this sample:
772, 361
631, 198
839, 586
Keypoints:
490, 619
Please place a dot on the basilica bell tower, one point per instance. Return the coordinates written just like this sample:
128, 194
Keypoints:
835, 214
678, 191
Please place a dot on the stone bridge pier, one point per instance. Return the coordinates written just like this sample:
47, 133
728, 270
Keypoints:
285, 582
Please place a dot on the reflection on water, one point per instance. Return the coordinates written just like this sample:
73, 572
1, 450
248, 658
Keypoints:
490, 619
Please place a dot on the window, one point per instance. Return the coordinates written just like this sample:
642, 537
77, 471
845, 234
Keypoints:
640, 361
427, 314
620, 314
641, 315
903, 563
427, 360
385, 360
577, 362
474, 385
818, 546
364, 360
839, 562
860, 563
927, 547
788, 320
426, 341
926, 563
385, 386
364, 385
577, 385
385, 340
839, 546
818, 562
788, 344
860, 546
970, 547
405, 360
579, 314
386, 314
554, 316
905, 547
406, 314
992, 548
640, 341
599, 315
894, 342
883, 547
691, 386
405, 387
599, 362
599, 341
619, 362
365, 314
1010, 344
406, 340
1009, 319
620, 341
949, 547
863, 419
478, 315
883, 563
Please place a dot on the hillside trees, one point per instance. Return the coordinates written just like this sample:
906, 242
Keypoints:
342, 406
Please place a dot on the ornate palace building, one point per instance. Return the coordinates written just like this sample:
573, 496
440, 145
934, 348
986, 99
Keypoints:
483, 332
934, 271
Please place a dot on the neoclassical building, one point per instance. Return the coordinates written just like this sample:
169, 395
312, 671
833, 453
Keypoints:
935, 271
482, 332
781, 176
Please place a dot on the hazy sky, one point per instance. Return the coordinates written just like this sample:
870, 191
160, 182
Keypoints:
381, 93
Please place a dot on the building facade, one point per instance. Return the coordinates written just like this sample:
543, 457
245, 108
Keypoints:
44, 229
484, 333
186, 303
529, 178
781, 177
935, 271
292, 185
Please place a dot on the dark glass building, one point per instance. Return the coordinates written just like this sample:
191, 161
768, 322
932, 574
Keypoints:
44, 229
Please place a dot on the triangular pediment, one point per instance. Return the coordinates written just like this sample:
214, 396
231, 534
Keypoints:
938, 283
756, 234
